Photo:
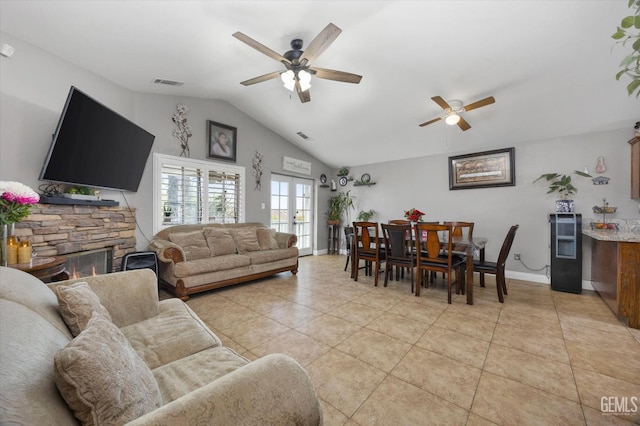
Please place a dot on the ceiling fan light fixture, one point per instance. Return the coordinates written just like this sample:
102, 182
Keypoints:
288, 80
305, 80
452, 119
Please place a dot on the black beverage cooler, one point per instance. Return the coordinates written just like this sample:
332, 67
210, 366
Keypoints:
566, 252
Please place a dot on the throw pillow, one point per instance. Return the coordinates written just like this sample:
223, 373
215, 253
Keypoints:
220, 241
267, 239
246, 239
102, 378
193, 244
77, 302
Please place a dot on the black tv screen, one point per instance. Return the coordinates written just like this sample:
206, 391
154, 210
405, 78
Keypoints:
97, 147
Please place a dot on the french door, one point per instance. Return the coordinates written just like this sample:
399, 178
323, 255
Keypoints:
292, 209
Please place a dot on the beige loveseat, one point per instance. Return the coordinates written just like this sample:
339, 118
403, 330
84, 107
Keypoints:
195, 258
187, 376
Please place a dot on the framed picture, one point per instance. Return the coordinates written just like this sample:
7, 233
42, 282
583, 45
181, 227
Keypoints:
222, 141
483, 169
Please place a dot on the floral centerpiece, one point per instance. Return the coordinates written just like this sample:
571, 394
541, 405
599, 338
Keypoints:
15, 201
414, 215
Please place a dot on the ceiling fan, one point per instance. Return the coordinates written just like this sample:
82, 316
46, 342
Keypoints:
454, 109
298, 63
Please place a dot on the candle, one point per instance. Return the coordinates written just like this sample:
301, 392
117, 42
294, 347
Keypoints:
24, 252
12, 250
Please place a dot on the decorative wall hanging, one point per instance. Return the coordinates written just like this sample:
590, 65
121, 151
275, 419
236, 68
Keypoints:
483, 169
182, 132
222, 140
297, 166
256, 163
600, 167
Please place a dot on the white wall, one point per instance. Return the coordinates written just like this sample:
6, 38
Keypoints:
34, 86
423, 183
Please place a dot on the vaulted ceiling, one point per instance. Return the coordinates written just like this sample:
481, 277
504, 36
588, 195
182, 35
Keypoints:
549, 64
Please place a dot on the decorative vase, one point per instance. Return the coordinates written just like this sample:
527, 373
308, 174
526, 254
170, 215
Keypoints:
7, 230
564, 206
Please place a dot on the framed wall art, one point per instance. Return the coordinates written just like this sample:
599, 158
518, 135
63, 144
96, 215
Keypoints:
222, 141
483, 169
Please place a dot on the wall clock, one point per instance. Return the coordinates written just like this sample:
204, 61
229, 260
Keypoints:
343, 181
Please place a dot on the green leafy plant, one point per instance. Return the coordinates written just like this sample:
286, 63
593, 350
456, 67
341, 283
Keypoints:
629, 32
167, 210
562, 184
365, 216
339, 204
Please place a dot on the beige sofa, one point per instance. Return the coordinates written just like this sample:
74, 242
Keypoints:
195, 258
193, 379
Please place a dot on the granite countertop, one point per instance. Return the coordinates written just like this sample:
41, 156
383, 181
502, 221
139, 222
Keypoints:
629, 231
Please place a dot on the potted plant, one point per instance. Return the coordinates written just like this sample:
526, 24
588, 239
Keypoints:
365, 216
562, 184
167, 211
338, 205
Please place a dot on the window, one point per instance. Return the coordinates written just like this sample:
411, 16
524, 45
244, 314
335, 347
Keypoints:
190, 191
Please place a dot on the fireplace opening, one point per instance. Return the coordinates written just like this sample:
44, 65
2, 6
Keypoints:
89, 263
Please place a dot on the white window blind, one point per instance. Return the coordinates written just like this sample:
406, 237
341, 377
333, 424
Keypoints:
190, 191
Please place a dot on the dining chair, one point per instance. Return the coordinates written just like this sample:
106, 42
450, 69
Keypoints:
399, 250
497, 268
348, 236
430, 258
460, 229
367, 247
399, 222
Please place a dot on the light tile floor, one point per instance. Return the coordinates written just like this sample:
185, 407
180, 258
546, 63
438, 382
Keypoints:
380, 355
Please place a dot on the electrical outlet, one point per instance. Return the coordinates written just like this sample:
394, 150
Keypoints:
516, 256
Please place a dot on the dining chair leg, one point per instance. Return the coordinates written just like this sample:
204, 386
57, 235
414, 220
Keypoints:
355, 268
499, 286
481, 279
347, 264
386, 273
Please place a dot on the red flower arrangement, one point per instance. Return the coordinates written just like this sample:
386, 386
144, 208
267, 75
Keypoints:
414, 215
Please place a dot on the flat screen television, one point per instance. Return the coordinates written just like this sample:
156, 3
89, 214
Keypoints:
95, 146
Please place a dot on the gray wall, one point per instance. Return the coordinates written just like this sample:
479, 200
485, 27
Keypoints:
33, 88
423, 183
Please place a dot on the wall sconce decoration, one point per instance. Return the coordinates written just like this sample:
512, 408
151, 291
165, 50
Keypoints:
600, 167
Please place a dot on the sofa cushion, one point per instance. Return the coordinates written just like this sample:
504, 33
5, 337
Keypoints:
267, 239
174, 333
102, 378
220, 241
77, 304
187, 374
246, 239
268, 256
193, 244
212, 264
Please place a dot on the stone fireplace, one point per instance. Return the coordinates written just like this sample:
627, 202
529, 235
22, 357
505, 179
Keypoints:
89, 263
56, 230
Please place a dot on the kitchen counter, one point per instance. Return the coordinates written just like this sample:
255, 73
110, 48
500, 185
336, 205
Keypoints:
615, 268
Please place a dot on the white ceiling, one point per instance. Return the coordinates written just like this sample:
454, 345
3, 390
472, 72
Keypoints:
549, 64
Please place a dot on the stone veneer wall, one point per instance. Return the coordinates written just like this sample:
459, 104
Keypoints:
56, 230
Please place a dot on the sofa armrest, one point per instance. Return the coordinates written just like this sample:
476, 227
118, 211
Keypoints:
129, 296
167, 251
286, 240
273, 390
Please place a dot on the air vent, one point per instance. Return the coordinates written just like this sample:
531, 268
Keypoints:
303, 136
168, 82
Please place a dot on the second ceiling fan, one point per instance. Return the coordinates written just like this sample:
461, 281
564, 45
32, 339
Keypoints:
298, 62
454, 109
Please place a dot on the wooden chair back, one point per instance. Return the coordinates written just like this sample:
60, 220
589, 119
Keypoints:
506, 246
459, 228
429, 248
396, 241
367, 238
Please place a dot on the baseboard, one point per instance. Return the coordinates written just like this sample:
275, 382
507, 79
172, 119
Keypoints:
542, 279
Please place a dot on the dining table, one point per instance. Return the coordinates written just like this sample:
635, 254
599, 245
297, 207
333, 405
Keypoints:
473, 248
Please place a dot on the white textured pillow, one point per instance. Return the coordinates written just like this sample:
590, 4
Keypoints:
102, 378
77, 302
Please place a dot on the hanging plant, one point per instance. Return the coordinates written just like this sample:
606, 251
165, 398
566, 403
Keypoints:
182, 132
